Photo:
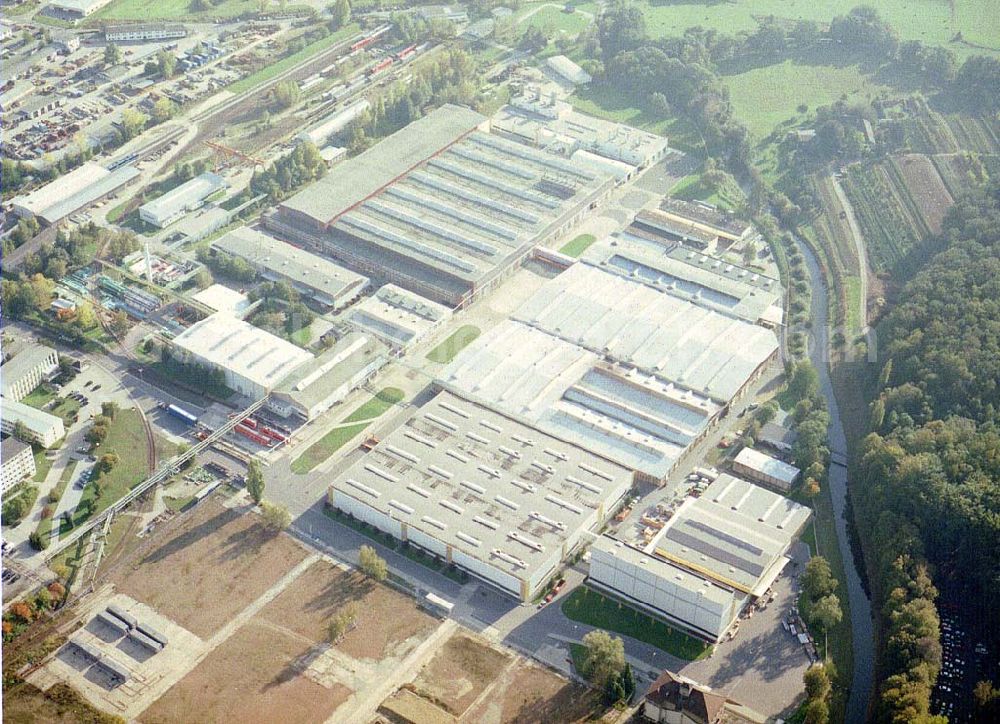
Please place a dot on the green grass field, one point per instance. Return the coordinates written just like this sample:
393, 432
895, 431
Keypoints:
177, 9
325, 447
692, 188
929, 21
378, 404
578, 245
549, 17
590, 607
765, 97
42, 464
127, 438
265, 74
459, 340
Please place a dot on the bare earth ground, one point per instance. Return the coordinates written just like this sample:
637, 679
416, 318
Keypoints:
210, 568
459, 672
405, 706
253, 677
385, 618
926, 187
527, 693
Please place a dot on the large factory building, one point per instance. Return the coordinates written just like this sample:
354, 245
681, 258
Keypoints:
495, 497
442, 207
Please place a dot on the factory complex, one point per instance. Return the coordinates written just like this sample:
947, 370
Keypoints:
620, 366
709, 561
483, 491
442, 207
329, 285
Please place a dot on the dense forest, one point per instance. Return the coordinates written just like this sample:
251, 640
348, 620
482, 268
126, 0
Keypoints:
928, 493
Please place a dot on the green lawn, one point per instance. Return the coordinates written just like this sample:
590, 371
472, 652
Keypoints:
578, 652
45, 525
379, 403
692, 188
929, 21
553, 18
765, 97
578, 245
302, 336
38, 397
177, 9
852, 287
590, 607
325, 447
269, 71
65, 407
127, 438
459, 340
42, 464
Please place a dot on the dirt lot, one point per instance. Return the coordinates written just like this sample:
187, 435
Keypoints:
255, 676
209, 568
925, 187
459, 672
530, 693
385, 618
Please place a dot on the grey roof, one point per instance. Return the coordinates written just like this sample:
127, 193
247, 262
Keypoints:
123, 615
184, 197
145, 641
699, 278
112, 621
11, 447
313, 382
79, 188
27, 358
635, 418
494, 488
358, 178
706, 214
736, 533
614, 316
278, 260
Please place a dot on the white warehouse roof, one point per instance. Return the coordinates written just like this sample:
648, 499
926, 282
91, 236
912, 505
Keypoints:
569, 70
767, 465
66, 194
231, 344
640, 326
178, 201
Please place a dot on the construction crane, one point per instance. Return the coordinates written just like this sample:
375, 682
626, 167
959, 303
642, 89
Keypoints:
228, 154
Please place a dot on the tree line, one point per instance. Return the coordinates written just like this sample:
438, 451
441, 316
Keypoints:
929, 477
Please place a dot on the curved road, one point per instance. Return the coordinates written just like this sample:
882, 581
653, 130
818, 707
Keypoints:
862, 628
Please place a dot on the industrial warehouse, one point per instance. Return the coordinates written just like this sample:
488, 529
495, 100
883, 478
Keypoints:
329, 285
704, 280
176, 203
397, 316
712, 558
624, 368
491, 495
441, 207
78, 189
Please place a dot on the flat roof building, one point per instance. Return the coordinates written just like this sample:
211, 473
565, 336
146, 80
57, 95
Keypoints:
30, 365
641, 326
253, 361
142, 32
69, 193
765, 469
314, 277
223, 299
541, 119
399, 317
708, 218
16, 463
441, 207
637, 419
43, 428
687, 274
78, 8
713, 557
320, 132
491, 495
176, 203
316, 386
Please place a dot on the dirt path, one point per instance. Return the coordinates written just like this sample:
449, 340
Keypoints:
859, 248
362, 705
